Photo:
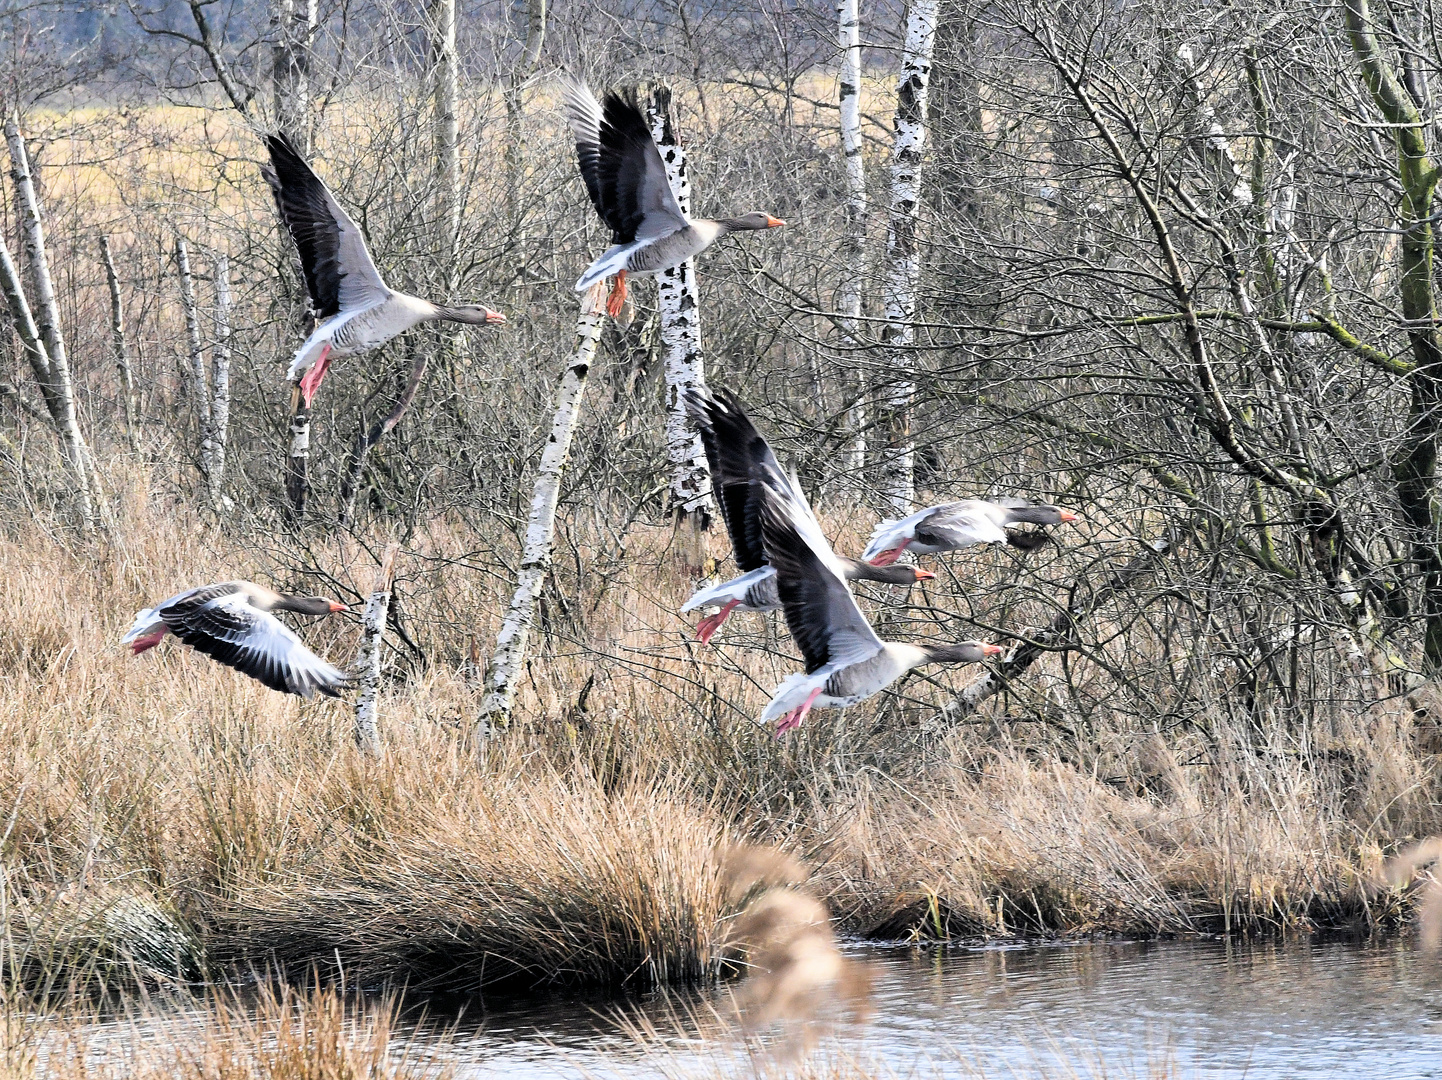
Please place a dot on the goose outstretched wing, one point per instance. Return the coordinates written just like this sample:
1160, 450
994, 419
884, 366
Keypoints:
339, 272
220, 622
821, 613
621, 165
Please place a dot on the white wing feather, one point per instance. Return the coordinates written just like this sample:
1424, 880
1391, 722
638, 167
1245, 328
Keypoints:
735, 589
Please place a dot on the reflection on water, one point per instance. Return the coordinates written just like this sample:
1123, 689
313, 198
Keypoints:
1205, 1009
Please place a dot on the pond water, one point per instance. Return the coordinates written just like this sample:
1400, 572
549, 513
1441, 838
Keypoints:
1115, 1009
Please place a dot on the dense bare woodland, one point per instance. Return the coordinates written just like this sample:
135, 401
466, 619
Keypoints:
1167, 266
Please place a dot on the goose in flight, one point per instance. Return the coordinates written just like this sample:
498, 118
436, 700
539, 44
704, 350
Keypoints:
739, 458
355, 309
953, 525
232, 622
626, 179
845, 661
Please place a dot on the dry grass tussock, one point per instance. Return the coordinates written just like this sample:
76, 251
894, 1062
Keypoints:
275, 1033
163, 817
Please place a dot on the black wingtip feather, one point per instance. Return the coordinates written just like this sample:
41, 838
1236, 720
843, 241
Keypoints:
303, 205
1027, 539
799, 574
739, 458
614, 167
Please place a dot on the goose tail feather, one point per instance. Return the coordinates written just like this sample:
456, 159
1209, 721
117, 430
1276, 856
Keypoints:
144, 620
791, 693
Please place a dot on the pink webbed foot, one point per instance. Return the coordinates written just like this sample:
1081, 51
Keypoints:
711, 623
310, 381
617, 299
886, 558
149, 641
795, 716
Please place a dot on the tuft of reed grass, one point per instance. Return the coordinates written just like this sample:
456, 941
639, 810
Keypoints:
271, 1032
539, 878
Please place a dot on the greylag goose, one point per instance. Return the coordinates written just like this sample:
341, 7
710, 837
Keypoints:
626, 180
845, 661
740, 458
953, 525
232, 622
356, 310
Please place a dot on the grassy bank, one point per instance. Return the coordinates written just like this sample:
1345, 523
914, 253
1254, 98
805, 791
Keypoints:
164, 817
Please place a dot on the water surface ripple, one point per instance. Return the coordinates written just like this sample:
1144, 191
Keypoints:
1276, 1011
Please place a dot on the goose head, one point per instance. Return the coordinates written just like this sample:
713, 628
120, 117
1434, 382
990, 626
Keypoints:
472, 314
1041, 514
310, 605
963, 652
754, 221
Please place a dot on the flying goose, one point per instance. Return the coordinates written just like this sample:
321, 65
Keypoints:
626, 180
960, 524
739, 457
845, 661
357, 311
232, 622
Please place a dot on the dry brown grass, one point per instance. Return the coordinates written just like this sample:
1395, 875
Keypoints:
163, 815
273, 1033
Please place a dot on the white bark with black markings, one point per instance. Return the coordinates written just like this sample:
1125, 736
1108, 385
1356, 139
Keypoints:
853, 242
368, 660
537, 17
445, 65
293, 25
508, 662
680, 336
199, 393
297, 466
903, 264
39, 327
219, 380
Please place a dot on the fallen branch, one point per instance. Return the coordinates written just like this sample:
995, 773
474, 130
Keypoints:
366, 441
1060, 636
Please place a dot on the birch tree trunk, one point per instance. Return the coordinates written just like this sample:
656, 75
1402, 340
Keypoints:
368, 660
57, 400
297, 479
120, 345
46, 310
536, 18
219, 380
897, 473
511, 642
199, 396
853, 242
293, 25
41, 326
681, 339
444, 69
